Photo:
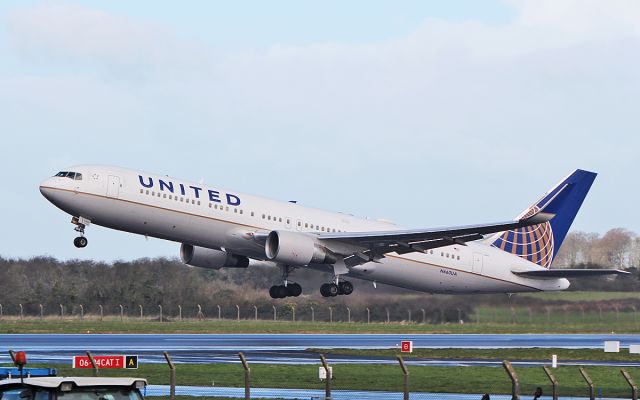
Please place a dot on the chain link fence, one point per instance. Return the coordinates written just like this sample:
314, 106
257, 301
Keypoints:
346, 380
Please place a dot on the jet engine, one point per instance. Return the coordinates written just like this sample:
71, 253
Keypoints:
210, 258
293, 248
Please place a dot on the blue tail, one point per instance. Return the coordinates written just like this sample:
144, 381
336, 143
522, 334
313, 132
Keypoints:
540, 243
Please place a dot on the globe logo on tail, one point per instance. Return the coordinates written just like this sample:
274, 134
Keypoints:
533, 243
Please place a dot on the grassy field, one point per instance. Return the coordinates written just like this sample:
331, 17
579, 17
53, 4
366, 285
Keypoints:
377, 377
533, 354
487, 321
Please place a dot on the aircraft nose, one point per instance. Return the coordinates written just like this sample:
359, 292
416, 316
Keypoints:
47, 188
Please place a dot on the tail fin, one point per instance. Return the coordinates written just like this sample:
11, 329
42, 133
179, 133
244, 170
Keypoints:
540, 243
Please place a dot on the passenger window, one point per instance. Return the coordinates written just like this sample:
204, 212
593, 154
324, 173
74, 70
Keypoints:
142, 191
227, 208
279, 219
182, 199
252, 214
288, 221
235, 210
240, 211
269, 218
198, 202
263, 216
299, 223
458, 257
306, 225
164, 195
210, 205
323, 229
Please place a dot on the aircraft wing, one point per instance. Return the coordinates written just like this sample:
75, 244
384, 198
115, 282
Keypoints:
568, 273
378, 243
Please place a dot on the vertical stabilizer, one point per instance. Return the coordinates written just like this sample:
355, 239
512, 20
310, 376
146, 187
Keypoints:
540, 243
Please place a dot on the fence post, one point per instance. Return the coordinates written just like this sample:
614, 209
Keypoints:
405, 372
160, 308
632, 384
368, 316
121, 312
275, 314
329, 377
219, 312
61, 311
313, 315
172, 376
81, 311
587, 378
348, 315
515, 382
330, 314
41, 312
141, 312
0, 310
293, 313
247, 376
21, 311
255, 312
238, 312
101, 312
388, 317
179, 312
94, 366
409, 314
554, 383
200, 315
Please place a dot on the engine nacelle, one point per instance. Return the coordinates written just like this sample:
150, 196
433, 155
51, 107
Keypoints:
293, 248
210, 258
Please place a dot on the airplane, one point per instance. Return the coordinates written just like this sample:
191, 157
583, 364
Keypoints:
218, 228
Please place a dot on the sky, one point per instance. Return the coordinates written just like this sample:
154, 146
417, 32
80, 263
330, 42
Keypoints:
427, 113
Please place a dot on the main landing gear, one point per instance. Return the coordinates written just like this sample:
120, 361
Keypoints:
332, 289
287, 289
81, 241
282, 291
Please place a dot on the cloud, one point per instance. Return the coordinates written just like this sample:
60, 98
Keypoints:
449, 115
67, 34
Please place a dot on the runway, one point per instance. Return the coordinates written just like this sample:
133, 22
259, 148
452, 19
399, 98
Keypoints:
268, 393
291, 348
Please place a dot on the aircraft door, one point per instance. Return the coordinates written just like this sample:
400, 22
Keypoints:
477, 263
113, 186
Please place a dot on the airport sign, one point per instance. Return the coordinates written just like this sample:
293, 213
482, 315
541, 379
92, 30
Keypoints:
406, 346
107, 362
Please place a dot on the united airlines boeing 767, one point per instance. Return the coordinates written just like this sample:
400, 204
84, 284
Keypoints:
219, 228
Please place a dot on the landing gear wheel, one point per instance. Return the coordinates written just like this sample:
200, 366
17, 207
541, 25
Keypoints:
278, 292
294, 290
329, 290
345, 288
80, 242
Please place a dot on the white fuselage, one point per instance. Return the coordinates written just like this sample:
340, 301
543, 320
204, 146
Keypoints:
200, 215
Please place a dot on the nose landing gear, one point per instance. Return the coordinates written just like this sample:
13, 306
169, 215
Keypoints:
80, 223
80, 242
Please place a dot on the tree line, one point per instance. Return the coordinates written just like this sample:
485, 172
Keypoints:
169, 283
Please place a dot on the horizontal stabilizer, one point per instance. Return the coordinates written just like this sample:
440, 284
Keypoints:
568, 273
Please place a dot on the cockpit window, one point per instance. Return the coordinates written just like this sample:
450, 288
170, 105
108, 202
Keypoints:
72, 175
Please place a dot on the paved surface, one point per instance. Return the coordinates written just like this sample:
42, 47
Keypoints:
290, 348
266, 393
